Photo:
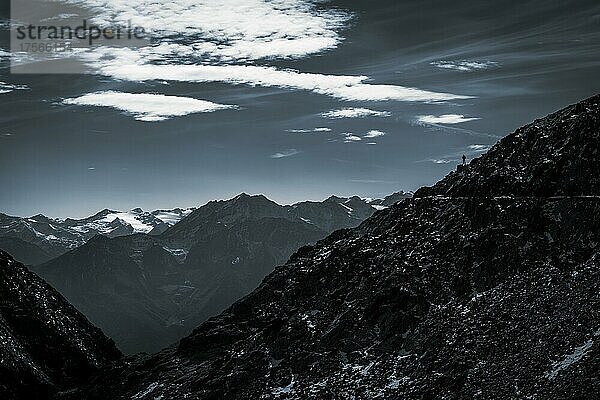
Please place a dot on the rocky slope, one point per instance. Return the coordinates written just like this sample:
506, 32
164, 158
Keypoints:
484, 286
148, 291
45, 344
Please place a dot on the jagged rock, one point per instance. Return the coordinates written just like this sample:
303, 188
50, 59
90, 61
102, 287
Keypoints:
45, 344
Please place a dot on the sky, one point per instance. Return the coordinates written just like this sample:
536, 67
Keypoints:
297, 100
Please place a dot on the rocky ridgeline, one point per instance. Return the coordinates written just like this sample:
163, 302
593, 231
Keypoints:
484, 286
553, 156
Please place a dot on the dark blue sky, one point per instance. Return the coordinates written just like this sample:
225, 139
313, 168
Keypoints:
514, 62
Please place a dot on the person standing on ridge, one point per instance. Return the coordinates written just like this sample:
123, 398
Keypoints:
464, 160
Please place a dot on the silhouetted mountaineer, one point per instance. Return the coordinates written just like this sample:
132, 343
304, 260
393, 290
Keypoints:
462, 166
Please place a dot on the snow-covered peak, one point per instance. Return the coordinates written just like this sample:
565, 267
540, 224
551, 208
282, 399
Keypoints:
171, 217
58, 235
139, 220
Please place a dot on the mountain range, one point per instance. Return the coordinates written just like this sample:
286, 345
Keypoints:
484, 285
37, 239
148, 290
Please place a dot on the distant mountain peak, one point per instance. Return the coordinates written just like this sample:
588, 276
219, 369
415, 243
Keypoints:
40, 217
336, 199
245, 197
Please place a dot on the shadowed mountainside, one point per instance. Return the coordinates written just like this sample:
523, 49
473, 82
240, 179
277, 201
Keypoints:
148, 291
45, 344
483, 286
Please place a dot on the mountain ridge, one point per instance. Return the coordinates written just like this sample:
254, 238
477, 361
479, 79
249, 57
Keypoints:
148, 291
53, 237
459, 292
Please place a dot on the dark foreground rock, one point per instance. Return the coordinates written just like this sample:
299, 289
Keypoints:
45, 344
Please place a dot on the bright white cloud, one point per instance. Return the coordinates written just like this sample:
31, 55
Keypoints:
231, 29
471, 150
128, 65
355, 113
60, 17
374, 133
440, 161
202, 41
285, 153
299, 130
444, 119
351, 137
479, 148
148, 107
323, 129
465, 65
8, 87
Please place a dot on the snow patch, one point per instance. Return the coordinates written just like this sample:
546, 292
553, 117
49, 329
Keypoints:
141, 394
569, 360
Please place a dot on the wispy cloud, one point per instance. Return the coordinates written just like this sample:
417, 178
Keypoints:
8, 87
444, 119
299, 130
285, 153
148, 107
470, 151
479, 148
449, 125
350, 137
355, 113
129, 65
374, 133
442, 160
465, 65
321, 129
